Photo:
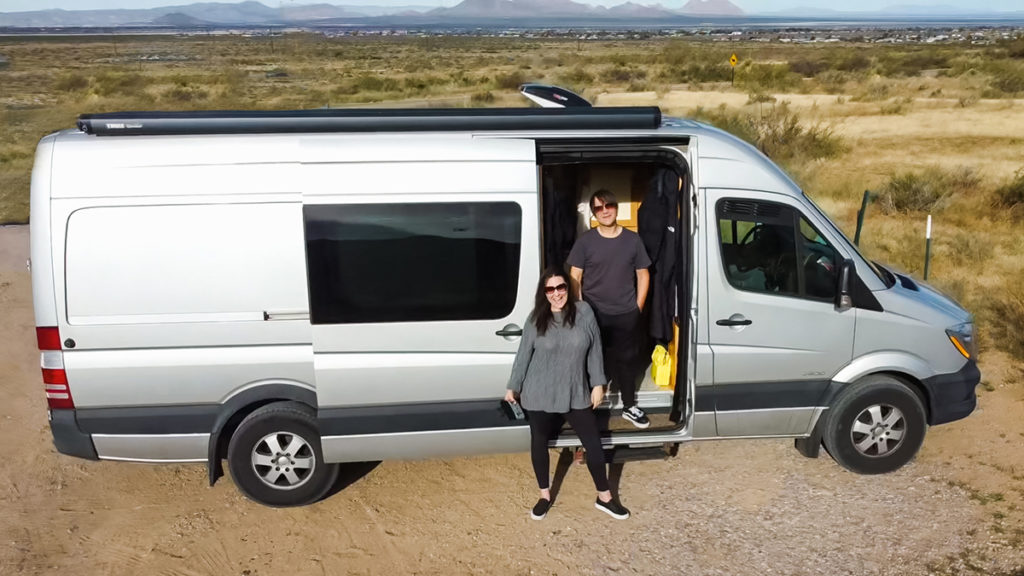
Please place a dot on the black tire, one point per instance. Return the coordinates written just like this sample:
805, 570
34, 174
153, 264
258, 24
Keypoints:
283, 433
875, 425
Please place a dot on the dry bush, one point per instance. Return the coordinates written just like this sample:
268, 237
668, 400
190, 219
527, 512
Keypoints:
481, 98
576, 76
112, 83
777, 132
619, 74
766, 76
808, 68
926, 191
897, 106
1010, 196
71, 82
1005, 312
509, 80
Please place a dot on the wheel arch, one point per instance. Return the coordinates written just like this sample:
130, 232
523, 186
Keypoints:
243, 402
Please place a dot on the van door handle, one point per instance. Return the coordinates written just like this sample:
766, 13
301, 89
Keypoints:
510, 331
734, 322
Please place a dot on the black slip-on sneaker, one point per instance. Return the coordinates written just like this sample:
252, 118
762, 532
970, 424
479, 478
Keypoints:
540, 509
612, 508
635, 415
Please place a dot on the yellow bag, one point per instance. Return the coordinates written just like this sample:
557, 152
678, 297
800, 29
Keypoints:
661, 367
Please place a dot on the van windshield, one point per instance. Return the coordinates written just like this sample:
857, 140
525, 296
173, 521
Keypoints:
882, 275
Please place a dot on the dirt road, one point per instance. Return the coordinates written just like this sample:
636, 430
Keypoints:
729, 508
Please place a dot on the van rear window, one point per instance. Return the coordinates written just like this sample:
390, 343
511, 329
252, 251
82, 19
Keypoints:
412, 262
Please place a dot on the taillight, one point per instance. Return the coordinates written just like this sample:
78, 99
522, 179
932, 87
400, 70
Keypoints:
51, 360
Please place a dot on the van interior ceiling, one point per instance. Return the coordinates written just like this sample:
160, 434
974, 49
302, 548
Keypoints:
647, 184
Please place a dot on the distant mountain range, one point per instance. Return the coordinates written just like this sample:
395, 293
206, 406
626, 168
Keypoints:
252, 13
467, 12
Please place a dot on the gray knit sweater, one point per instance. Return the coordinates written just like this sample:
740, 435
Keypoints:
555, 372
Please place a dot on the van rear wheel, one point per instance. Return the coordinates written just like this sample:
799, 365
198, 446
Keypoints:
876, 425
275, 456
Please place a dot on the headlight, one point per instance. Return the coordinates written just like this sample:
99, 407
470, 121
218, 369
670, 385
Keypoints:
964, 339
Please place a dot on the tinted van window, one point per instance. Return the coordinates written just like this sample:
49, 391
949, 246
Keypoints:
412, 262
768, 247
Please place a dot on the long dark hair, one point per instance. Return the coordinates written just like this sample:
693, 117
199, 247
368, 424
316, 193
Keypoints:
542, 315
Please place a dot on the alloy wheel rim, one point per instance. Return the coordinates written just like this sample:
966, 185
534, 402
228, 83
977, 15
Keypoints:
878, 430
283, 461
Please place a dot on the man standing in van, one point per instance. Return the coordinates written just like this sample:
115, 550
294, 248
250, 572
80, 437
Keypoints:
609, 271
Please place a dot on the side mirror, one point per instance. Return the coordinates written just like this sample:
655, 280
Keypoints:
844, 301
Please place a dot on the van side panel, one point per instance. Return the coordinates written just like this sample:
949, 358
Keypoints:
176, 304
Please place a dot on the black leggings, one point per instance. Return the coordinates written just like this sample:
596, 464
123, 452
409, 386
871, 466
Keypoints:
545, 426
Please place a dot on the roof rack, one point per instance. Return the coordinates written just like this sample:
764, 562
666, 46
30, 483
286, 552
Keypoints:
368, 120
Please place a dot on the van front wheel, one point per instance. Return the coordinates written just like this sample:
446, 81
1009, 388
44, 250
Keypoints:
275, 456
876, 425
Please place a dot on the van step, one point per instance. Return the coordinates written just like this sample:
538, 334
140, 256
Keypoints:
627, 454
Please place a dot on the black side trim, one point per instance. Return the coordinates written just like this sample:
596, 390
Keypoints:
952, 396
760, 395
68, 438
186, 419
413, 418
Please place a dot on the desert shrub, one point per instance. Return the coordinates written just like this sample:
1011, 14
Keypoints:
808, 68
696, 72
576, 76
71, 82
12, 153
509, 80
766, 76
854, 62
872, 92
619, 74
1010, 196
757, 97
1015, 49
481, 98
375, 83
897, 106
185, 93
833, 81
1005, 316
777, 132
110, 83
912, 63
1008, 78
926, 191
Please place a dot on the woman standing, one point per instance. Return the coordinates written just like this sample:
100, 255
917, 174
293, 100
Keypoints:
558, 375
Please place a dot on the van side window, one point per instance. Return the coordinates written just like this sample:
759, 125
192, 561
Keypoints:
412, 262
771, 248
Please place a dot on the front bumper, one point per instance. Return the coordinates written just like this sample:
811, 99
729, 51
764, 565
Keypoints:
68, 438
951, 396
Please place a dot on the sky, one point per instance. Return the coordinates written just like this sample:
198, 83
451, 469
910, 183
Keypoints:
749, 6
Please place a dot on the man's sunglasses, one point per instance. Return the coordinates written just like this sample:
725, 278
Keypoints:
607, 205
552, 289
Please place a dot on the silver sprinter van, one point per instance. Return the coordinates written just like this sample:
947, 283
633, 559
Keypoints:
288, 291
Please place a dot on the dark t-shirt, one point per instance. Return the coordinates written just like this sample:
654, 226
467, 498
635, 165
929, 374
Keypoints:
609, 269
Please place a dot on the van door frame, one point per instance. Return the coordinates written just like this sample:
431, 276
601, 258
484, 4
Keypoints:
680, 152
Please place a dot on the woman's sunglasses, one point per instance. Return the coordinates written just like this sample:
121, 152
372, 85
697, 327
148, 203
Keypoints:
606, 205
559, 288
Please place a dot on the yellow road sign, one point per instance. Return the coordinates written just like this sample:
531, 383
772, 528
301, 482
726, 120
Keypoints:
733, 60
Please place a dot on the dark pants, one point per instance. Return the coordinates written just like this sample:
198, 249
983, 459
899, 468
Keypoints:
544, 427
620, 344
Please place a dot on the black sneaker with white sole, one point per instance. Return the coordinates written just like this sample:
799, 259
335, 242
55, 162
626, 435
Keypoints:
612, 508
635, 415
540, 509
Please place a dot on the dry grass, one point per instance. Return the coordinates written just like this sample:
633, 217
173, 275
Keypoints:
841, 118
